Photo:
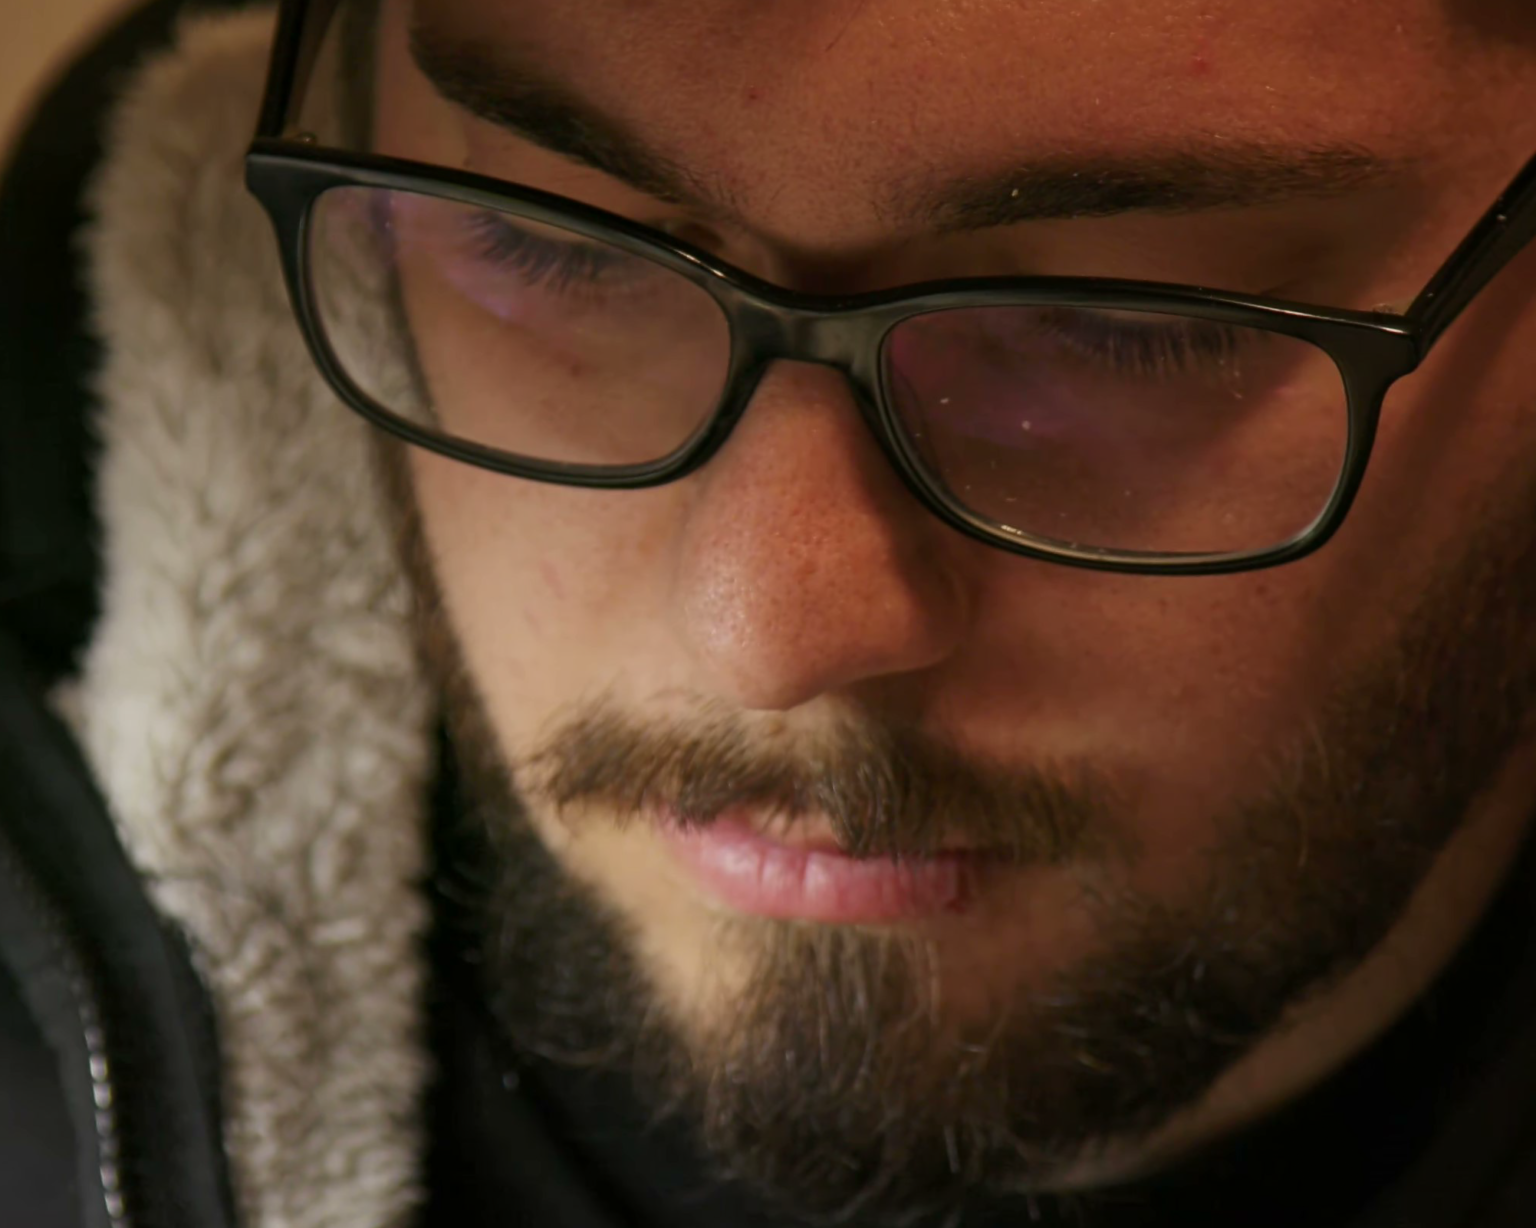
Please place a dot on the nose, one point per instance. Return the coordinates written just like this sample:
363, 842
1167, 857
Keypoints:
806, 567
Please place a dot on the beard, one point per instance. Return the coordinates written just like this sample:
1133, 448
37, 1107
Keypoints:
833, 1081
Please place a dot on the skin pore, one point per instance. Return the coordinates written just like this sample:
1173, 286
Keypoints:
1303, 784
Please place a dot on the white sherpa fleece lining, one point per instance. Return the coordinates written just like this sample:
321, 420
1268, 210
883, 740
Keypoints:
251, 702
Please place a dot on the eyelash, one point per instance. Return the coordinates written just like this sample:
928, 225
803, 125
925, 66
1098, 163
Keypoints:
563, 267
1148, 351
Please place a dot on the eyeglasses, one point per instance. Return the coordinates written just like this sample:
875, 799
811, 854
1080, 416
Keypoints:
1125, 426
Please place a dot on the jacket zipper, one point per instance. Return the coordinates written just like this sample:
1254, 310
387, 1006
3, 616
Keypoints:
85, 990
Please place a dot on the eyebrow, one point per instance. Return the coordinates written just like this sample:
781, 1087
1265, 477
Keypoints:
1194, 178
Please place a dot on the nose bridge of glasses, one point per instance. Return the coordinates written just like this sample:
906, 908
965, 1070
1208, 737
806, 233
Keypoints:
837, 335
841, 338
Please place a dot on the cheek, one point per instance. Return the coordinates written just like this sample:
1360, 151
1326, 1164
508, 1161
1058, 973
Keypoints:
553, 592
1179, 690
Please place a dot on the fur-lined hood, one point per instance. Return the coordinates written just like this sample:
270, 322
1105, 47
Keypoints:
251, 701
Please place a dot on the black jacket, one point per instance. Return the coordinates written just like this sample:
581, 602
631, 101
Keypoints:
114, 1074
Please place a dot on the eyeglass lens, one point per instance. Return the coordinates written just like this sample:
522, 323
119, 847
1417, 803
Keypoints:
1126, 430
514, 335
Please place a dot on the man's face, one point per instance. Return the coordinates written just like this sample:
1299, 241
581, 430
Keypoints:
1136, 818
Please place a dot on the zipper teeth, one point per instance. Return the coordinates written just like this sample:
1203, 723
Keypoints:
87, 1000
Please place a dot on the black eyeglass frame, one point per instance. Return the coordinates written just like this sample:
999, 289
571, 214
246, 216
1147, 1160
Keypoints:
288, 172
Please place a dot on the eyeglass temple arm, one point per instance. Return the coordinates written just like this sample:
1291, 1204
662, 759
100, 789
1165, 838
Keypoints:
1497, 239
301, 25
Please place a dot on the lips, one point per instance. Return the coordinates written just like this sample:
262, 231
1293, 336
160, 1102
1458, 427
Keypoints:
799, 873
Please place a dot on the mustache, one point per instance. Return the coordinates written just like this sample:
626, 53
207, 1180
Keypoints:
887, 790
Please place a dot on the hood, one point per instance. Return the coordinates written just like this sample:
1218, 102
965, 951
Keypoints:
251, 701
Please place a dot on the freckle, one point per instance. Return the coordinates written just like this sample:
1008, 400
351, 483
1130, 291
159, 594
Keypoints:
552, 578
752, 94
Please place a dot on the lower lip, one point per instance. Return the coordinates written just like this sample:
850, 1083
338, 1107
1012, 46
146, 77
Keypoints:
750, 873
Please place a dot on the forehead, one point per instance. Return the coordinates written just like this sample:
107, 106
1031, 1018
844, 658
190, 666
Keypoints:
1100, 68
767, 93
